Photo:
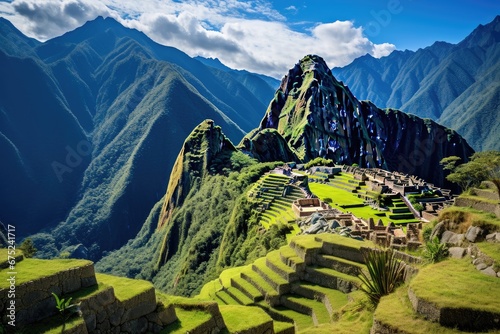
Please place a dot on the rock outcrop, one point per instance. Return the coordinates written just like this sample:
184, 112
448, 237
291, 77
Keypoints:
204, 143
318, 116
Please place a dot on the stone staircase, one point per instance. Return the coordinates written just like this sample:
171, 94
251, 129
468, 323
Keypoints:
303, 283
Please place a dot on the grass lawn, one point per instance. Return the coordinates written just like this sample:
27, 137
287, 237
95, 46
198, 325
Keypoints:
462, 279
32, 269
242, 318
188, 320
396, 310
125, 288
342, 197
492, 249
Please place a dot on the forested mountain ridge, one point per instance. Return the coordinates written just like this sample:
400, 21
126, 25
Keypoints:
454, 84
95, 118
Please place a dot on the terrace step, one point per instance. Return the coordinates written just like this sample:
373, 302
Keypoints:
191, 321
226, 298
275, 280
290, 258
311, 307
270, 294
339, 264
333, 299
281, 313
256, 320
273, 261
247, 288
239, 296
331, 278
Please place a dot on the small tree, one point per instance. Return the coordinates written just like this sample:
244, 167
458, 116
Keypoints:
28, 248
483, 166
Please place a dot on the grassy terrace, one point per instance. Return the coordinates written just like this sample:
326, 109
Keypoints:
396, 311
125, 288
342, 199
462, 279
240, 318
32, 269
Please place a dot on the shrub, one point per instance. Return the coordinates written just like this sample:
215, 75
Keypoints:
385, 273
28, 248
435, 251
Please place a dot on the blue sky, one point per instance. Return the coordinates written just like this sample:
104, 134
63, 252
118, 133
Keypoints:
265, 36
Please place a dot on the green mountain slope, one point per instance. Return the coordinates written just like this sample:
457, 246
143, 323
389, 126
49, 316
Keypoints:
124, 104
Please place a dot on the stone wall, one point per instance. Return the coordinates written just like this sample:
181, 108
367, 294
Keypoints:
34, 300
478, 205
102, 312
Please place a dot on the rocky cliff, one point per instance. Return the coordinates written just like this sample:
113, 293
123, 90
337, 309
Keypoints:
318, 116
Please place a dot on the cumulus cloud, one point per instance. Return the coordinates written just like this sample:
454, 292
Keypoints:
249, 35
48, 18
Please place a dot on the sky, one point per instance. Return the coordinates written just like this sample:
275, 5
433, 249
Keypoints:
267, 37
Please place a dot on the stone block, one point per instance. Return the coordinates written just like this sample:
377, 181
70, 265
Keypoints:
473, 232
452, 239
457, 252
489, 271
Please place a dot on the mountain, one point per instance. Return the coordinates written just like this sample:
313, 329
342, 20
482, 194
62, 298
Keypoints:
454, 84
206, 221
243, 76
319, 117
90, 126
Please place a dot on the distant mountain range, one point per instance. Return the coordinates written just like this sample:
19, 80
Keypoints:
457, 85
91, 123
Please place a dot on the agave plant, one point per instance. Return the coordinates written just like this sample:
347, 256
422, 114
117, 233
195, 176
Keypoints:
435, 251
385, 273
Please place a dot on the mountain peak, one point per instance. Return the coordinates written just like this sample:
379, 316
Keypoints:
318, 116
204, 143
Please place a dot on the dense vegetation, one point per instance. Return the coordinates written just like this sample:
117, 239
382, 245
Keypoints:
213, 229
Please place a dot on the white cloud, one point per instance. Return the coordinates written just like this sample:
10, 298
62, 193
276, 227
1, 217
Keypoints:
45, 19
242, 34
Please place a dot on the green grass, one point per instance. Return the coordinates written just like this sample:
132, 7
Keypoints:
302, 321
479, 198
396, 311
280, 326
318, 307
273, 276
343, 241
462, 279
468, 216
125, 288
242, 318
32, 269
188, 320
492, 249
338, 196
208, 290
335, 273
306, 241
337, 298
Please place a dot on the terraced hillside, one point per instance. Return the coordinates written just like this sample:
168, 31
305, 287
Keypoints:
305, 283
273, 195
342, 191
